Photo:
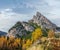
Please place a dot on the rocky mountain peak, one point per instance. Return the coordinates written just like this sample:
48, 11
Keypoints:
22, 28
38, 14
42, 21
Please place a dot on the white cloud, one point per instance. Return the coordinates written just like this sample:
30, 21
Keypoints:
9, 18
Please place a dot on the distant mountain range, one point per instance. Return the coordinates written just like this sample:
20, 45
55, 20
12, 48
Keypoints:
23, 28
2, 33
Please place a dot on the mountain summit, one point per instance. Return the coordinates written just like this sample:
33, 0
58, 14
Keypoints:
43, 21
23, 28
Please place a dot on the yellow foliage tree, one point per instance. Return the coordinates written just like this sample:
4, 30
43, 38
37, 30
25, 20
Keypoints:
36, 34
27, 44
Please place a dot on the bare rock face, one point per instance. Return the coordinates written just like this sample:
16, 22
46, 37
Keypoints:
21, 28
42, 21
27, 26
17, 30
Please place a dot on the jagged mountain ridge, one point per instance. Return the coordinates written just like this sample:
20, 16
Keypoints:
43, 21
21, 28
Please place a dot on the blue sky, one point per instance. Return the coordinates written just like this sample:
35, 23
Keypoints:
12, 11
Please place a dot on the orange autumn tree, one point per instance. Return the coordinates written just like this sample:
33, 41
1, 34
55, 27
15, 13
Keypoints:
3, 42
7, 43
36, 34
